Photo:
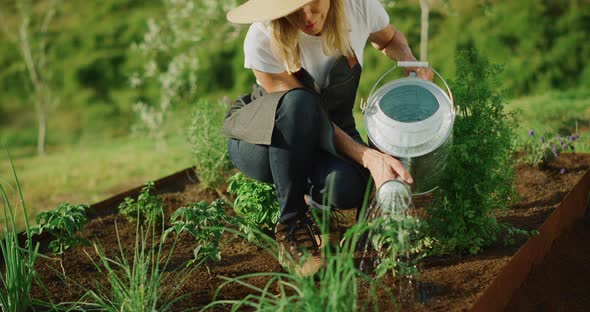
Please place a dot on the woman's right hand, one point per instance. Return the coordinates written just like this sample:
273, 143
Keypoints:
384, 167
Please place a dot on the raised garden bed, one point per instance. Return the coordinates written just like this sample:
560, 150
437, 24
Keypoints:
560, 282
446, 282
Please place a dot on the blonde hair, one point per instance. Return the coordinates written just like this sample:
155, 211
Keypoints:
335, 41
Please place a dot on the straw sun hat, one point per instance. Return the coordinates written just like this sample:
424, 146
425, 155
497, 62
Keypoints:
264, 10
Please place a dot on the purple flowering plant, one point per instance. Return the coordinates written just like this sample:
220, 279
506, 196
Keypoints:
541, 150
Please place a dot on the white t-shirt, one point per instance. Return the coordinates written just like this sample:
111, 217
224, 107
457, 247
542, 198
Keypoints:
364, 17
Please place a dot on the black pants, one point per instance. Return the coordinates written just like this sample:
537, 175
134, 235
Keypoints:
295, 163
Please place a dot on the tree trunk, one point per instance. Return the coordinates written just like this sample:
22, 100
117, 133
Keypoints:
36, 66
37, 82
424, 31
42, 123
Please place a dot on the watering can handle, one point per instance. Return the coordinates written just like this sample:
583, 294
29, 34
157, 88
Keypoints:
410, 64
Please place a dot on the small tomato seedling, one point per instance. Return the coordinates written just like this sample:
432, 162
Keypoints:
62, 223
205, 222
147, 207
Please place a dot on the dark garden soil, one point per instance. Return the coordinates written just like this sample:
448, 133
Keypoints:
446, 283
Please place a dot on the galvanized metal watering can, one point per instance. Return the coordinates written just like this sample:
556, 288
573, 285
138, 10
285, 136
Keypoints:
412, 120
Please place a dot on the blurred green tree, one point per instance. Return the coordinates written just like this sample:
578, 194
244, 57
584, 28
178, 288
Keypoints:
32, 44
170, 54
542, 45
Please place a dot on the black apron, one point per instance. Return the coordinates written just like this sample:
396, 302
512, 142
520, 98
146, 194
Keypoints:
252, 117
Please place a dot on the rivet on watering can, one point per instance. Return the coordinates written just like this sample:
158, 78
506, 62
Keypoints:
394, 197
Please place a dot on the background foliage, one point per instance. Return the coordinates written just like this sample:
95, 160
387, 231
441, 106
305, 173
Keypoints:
106, 57
90, 54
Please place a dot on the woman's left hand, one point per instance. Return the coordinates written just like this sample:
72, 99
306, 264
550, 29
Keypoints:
384, 167
421, 72
425, 73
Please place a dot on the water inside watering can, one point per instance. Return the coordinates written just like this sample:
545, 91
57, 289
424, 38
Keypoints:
409, 104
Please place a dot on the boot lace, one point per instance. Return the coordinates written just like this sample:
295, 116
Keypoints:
300, 232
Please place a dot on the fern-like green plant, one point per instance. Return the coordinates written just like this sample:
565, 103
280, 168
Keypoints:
480, 171
208, 144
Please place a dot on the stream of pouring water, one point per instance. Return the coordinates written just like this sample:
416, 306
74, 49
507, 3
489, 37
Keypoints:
399, 209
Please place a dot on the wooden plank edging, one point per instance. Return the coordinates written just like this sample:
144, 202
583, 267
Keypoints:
498, 294
172, 182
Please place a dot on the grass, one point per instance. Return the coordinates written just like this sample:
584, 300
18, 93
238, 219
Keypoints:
555, 112
92, 172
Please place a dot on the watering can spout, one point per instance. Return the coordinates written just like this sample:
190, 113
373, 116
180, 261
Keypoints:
394, 197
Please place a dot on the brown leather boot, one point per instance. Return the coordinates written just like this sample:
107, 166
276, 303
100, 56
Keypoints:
330, 236
298, 249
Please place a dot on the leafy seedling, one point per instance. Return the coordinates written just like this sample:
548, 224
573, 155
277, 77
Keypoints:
256, 204
205, 222
399, 241
147, 207
62, 223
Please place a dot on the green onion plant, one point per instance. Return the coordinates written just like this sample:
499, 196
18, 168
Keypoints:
18, 263
339, 286
136, 285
